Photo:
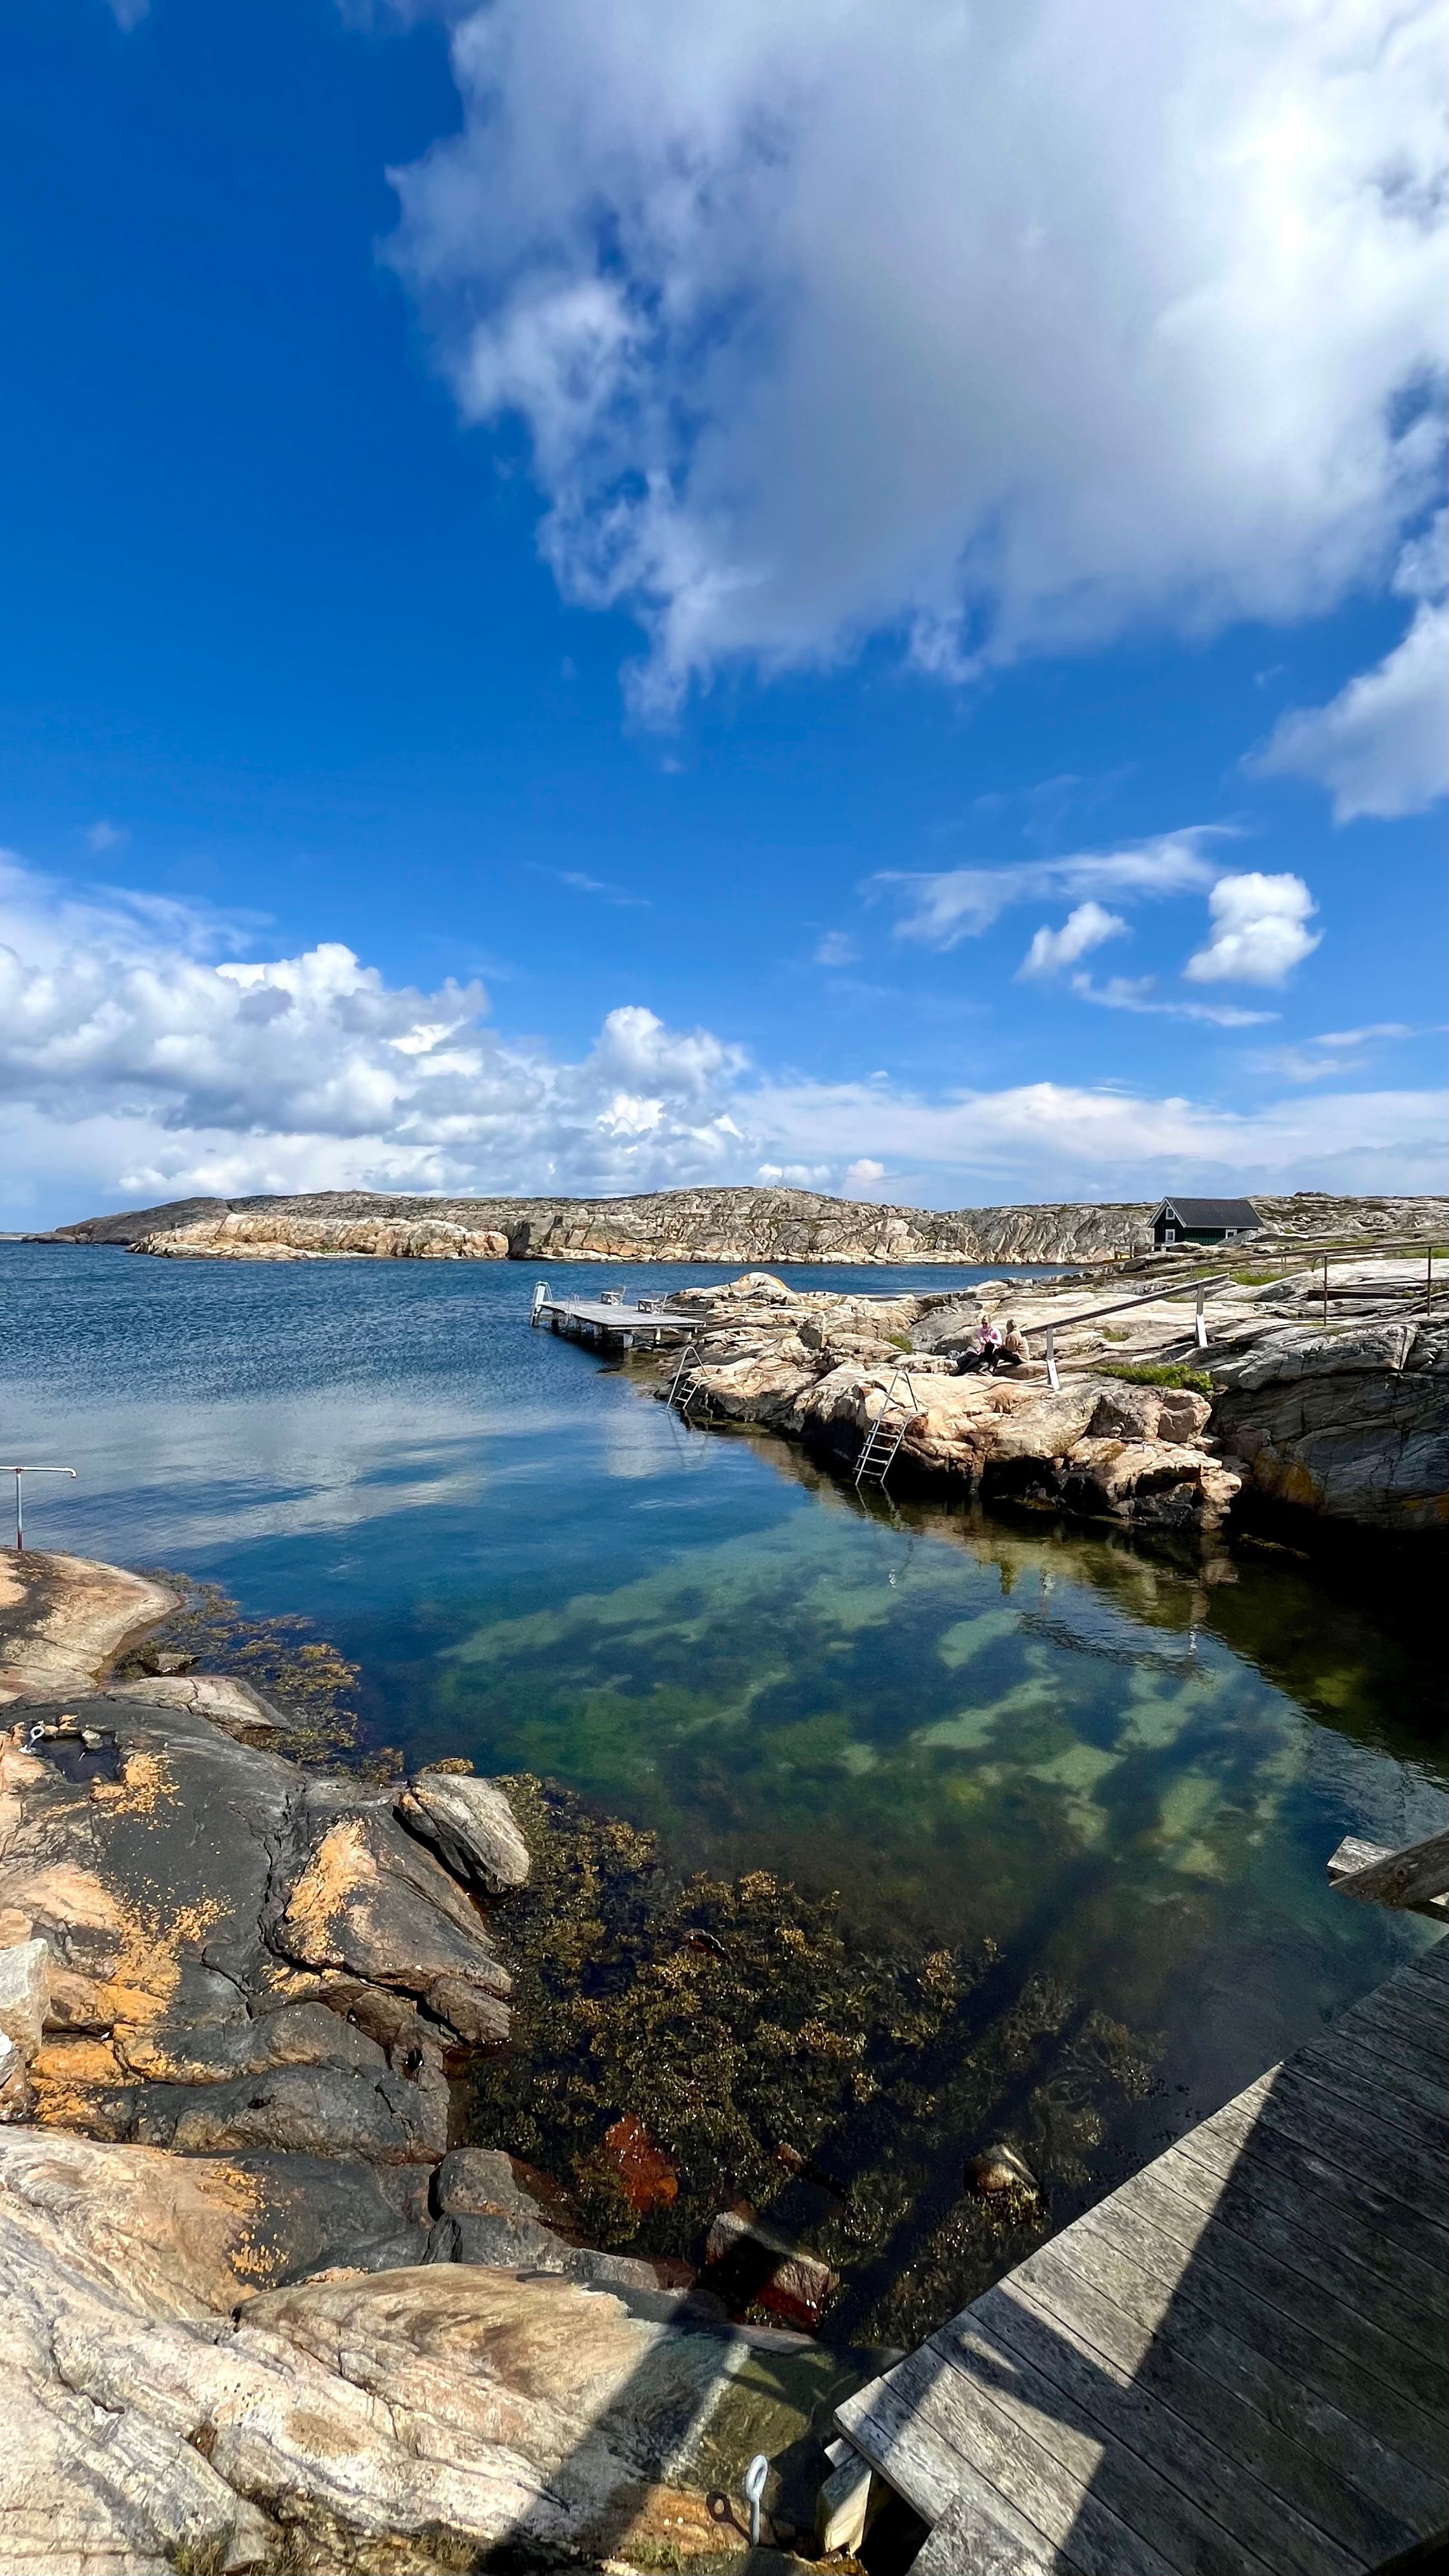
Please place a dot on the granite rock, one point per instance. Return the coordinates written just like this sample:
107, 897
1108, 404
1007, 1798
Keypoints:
470, 1825
1347, 1424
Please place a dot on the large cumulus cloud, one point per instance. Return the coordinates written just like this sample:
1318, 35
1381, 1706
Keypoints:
1010, 327
136, 1064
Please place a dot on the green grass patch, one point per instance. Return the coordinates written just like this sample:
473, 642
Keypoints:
1156, 1373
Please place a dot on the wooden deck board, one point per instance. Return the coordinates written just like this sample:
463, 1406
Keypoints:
1329, 2350
1238, 2361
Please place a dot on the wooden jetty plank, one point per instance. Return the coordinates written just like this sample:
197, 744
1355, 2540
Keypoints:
1343, 2134
1409, 1876
1379, 2054
1127, 2452
1335, 2476
1238, 2362
1341, 2072
979, 2534
1061, 2502
1308, 2283
1313, 2160
1373, 2275
1325, 2348
1065, 2371
1154, 2312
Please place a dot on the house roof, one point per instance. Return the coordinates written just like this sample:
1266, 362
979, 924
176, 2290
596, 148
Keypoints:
1233, 1212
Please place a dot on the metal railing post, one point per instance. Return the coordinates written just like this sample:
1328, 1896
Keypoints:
1201, 1320
17, 1473
1053, 1381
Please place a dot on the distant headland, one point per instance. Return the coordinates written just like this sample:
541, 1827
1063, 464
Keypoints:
751, 1225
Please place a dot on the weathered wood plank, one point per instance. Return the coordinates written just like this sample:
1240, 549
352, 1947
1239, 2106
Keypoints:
1315, 2457
1417, 2018
1411, 2169
920, 2439
1180, 2448
1369, 2227
1322, 2346
1259, 2246
1409, 1876
1070, 2477
980, 2535
1381, 2053
1339, 2072
1430, 1968
1353, 1856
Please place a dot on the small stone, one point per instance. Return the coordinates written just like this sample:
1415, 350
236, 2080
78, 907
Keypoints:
471, 1827
999, 2168
24, 1994
163, 1660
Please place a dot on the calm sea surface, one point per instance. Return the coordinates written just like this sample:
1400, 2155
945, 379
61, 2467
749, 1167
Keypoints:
1128, 1764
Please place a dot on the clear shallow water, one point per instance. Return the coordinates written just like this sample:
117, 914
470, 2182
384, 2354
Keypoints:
1126, 1765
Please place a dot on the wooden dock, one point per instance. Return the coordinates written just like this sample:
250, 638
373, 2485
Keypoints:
1238, 2365
608, 1323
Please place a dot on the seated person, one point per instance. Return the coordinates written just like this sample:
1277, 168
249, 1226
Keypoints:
982, 1351
1011, 1351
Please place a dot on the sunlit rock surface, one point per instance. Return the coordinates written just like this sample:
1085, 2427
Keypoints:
755, 1225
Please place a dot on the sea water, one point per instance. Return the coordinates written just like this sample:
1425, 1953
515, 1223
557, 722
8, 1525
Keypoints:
1125, 1762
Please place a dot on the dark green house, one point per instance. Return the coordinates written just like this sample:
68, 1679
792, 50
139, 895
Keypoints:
1204, 1221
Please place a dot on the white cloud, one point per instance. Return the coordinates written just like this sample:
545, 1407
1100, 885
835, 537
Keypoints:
1083, 930
837, 948
1336, 1051
135, 1067
1134, 993
1260, 930
828, 316
104, 836
1381, 746
1044, 1139
120, 1038
961, 903
128, 13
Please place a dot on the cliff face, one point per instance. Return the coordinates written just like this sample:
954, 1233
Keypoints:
747, 1225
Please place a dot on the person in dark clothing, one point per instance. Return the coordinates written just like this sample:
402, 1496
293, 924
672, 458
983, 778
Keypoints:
1011, 1351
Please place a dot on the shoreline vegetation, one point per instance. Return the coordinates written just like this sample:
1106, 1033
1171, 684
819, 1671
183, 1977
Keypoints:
334, 2052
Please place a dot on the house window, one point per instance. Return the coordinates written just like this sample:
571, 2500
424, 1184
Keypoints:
1169, 1234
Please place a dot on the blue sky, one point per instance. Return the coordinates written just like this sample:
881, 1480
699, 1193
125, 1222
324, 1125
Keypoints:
603, 596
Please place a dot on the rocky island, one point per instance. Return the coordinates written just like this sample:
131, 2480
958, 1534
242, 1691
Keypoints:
751, 1225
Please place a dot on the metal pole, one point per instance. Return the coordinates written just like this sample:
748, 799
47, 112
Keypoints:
17, 1473
1201, 1321
1053, 1381
1325, 1287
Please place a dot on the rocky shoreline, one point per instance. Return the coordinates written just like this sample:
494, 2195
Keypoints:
752, 1225
265, 2305
1338, 1423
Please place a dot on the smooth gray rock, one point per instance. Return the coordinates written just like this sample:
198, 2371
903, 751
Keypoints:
1349, 1423
470, 1825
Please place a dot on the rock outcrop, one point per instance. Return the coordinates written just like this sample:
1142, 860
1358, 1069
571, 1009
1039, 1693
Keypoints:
253, 2312
1349, 1424
754, 1225
161, 2411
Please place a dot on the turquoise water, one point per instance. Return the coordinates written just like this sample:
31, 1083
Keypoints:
1127, 1765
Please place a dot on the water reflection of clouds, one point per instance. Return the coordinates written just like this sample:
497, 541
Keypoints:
189, 1477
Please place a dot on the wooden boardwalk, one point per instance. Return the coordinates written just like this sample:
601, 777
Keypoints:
1238, 2365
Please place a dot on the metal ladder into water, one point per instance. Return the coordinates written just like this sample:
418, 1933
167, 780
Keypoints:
879, 1448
